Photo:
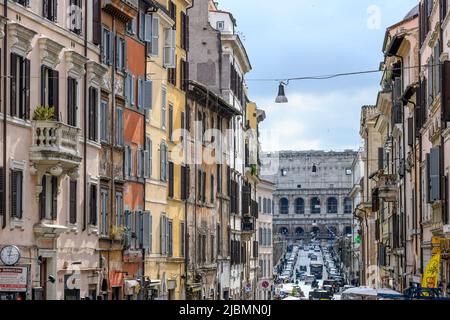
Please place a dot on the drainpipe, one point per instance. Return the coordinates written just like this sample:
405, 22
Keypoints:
186, 229
5, 123
85, 127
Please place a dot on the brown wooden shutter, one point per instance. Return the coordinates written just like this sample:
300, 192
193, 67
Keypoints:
97, 22
446, 90
380, 158
245, 200
54, 95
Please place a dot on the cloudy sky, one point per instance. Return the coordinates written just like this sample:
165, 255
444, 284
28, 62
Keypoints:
296, 38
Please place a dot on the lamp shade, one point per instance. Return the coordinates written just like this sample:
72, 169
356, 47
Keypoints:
281, 95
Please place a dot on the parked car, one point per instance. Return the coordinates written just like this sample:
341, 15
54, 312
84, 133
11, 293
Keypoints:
320, 295
309, 279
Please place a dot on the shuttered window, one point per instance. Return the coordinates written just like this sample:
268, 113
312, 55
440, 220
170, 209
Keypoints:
50, 89
170, 238
96, 21
119, 209
164, 161
171, 180
104, 212
163, 107
104, 121
170, 123
50, 9
155, 37
107, 47
435, 174
446, 90
147, 232
121, 54
93, 205
93, 118
20, 87
54, 204
149, 157
76, 16
16, 194
72, 102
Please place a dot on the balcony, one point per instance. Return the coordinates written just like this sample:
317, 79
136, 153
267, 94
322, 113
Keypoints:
387, 187
55, 145
124, 10
248, 228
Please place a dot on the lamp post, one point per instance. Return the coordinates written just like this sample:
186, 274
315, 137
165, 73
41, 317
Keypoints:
281, 98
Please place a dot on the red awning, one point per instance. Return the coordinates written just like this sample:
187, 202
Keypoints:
116, 278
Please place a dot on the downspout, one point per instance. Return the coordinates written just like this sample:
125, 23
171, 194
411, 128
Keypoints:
85, 127
186, 229
5, 123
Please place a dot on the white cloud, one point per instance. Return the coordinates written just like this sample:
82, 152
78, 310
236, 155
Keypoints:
314, 121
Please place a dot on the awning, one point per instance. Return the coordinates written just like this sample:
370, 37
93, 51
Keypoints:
154, 283
116, 278
194, 287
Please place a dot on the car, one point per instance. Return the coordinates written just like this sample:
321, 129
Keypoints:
320, 295
309, 279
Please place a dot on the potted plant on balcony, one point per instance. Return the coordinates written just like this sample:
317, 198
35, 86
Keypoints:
44, 113
117, 233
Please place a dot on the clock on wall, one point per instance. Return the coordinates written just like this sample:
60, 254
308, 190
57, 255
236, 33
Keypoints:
10, 255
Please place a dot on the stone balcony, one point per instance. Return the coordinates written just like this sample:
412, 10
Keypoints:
387, 187
248, 228
124, 10
55, 148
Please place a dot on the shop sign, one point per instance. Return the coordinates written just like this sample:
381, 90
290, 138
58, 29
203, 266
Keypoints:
13, 279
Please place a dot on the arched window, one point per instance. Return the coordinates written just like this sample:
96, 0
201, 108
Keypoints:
269, 206
284, 206
299, 231
300, 206
348, 206
315, 231
315, 206
284, 231
332, 205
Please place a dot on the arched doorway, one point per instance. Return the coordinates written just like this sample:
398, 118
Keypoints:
299, 232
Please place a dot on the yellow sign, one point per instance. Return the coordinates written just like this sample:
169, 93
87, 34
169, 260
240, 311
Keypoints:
431, 275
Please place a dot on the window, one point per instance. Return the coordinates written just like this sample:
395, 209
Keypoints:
16, 194
119, 119
219, 178
104, 212
154, 47
104, 121
96, 22
76, 16
348, 206
129, 161
332, 205
300, 206
164, 157
148, 157
173, 12
73, 201
171, 181
147, 234
163, 107
172, 74
284, 206
212, 257
145, 94
25, 3
93, 103
50, 89
72, 101
119, 209
130, 89
93, 205
184, 31
20, 87
170, 238
50, 8
131, 27
315, 206
184, 70
121, 54
182, 240
171, 123
107, 47
48, 198
165, 235
220, 25
169, 48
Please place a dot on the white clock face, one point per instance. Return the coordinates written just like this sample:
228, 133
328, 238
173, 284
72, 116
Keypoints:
10, 255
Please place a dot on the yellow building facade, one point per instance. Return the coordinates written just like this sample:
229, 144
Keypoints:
166, 68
